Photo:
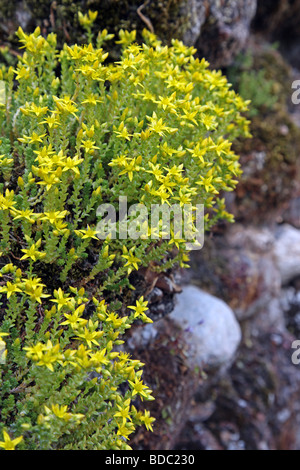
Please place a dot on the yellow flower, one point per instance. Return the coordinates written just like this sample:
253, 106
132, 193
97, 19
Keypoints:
32, 139
7, 202
35, 352
54, 216
86, 234
61, 412
157, 126
140, 308
124, 411
61, 299
10, 289
33, 252
126, 37
138, 388
51, 121
147, 420
92, 99
122, 132
131, 167
89, 146
65, 105
4, 160
22, 72
74, 319
8, 443
116, 321
26, 215
126, 430
90, 335
34, 289
98, 358
167, 102
162, 194
34, 109
131, 259
3, 334
50, 356
155, 170
89, 19
48, 178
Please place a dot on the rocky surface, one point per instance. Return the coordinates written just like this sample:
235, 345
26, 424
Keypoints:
245, 271
278, 18
253, 407
219, 29
225, 31
218, 389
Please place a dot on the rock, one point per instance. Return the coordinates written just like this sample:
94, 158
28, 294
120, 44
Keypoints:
225, 31
142, 336
196, 11
256, 404
291, 214
287, 252
218, 29
253, 405
278, 19
162, 349
290, 304
258, 240
240, 268
209, 327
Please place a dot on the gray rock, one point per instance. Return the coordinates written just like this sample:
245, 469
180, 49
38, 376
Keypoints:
143, 335
218, 29
226, 30
209, 326
257, 240
196, 12
287, 252
241, 269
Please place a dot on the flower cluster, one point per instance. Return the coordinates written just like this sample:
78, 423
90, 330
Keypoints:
156, 126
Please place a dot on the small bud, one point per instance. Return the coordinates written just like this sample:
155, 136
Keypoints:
20, 182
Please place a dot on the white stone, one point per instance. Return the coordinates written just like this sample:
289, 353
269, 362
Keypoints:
211, 330
287, 253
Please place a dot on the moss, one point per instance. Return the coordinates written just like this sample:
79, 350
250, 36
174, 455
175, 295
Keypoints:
269, 159
270, 167
262, 76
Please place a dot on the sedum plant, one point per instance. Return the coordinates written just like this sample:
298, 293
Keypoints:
79, 131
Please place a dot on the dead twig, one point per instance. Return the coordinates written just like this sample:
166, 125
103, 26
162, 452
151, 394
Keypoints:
143, 17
